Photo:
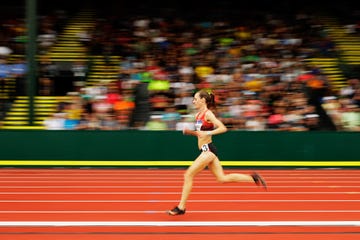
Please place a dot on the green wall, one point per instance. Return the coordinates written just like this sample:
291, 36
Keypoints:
173, 146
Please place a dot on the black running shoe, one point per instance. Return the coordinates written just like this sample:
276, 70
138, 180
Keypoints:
259, 180
176, 211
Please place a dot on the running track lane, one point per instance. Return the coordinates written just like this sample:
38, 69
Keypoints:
63, 204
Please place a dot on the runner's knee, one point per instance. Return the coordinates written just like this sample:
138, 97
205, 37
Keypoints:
221, 179
188, 175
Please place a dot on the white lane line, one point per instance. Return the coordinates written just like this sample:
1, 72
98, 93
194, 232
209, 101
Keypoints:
159, 177
175, 223
157, 211
171, 193
174, 200
200, 181
170, 186
151, 171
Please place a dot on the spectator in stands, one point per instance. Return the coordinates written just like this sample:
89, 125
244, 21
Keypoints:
171, 116
4, 73
46, 86
79, 70
109, 122
156, 123
256, 123
312, 122
55, 122
350, 117
349, 90
18, 71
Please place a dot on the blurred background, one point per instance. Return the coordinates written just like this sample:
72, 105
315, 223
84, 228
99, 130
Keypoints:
274, 65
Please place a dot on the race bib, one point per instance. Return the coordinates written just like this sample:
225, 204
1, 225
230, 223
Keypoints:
205, 148
198, 125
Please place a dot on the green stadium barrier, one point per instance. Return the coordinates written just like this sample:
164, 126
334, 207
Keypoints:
171, 148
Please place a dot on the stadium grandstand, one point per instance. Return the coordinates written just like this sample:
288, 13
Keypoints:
275, 65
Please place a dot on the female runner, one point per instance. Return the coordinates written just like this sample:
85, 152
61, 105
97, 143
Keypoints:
206, 126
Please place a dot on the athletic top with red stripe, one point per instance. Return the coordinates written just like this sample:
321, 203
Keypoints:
201, 123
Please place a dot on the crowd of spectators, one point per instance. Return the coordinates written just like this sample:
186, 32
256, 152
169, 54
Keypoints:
257, 68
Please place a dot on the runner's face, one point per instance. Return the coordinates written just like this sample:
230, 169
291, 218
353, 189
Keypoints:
197, 101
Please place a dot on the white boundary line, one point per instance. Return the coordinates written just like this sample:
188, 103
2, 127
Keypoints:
176, 223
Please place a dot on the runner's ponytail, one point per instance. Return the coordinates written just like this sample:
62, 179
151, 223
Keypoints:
209, 98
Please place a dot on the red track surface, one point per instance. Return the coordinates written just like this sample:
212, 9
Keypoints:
101, 204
